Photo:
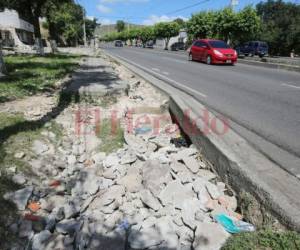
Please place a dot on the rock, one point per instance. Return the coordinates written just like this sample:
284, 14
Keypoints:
99, 157
178, 167
78, 149
199, 186
68, 226
209, 236
206, 174
111, 241
40, 240
167, 231
186, 237
185, 177
128, 209
221, 186
39, 147
110, 174
19, 179
111, 160
175, 194
189, 209
132, 182
20, 197
71, 209
72, 159
55, 201
114, 193
19, 155
128, 158
149, 200
185, 153
113, 220
149, 222
136, 143
213, 190
145, 238
155, 175
25, 229
191, 164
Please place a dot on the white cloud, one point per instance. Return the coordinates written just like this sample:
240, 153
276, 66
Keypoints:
105, 21
153, 19
103, 9
90, 17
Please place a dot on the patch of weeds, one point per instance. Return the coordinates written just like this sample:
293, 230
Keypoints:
102, 101
265, 239
111, 135
31, 74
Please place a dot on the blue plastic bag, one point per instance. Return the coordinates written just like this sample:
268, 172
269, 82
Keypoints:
234, 226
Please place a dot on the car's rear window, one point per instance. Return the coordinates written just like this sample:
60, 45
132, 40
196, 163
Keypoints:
218, 44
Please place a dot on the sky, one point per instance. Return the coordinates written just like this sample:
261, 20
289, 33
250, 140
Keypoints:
148, 12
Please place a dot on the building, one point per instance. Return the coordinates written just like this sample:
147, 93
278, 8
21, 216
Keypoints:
181, 38
14, 31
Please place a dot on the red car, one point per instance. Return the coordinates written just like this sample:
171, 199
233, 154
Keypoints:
212, 52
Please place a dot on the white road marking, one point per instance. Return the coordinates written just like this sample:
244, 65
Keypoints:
156, 69
290, 86
165, 73
164, 77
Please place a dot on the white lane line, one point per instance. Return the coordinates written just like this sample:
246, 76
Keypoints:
174, 60
290, 86
163, 77
156, 69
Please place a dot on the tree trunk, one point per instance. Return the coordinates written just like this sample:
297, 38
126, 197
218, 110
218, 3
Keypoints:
37, 34
52, 37
167, 40
2, 65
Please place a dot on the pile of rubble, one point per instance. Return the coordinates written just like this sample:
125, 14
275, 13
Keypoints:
149, 194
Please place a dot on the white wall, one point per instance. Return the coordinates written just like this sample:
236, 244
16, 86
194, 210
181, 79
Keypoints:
10, 19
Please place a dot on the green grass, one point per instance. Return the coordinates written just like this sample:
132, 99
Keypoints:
112, 139
265, 239
31, 74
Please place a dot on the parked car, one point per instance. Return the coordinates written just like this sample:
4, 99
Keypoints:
212, 52
178, 46
118, 43
149, 45
253, 48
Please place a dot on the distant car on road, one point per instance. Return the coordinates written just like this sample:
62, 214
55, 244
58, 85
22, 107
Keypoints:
178, 46
212, 52
149, 45
253, 48
118, 43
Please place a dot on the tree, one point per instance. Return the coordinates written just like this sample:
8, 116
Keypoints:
280, 26
202, 25
146, 34
120, 25
90, 26
248, 25
180, 22
67, 21
33, 11
226, 24
166, 30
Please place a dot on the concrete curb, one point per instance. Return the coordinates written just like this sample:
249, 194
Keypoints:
270, 65
277, 193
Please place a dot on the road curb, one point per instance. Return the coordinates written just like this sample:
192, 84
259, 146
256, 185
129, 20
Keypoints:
273, 194
270, 65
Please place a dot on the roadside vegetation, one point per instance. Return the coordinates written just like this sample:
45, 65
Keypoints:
111, 135
29, 74
265, 239
274, 21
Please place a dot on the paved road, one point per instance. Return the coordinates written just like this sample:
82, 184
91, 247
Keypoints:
263, 104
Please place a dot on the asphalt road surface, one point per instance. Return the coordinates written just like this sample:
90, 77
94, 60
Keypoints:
262, 104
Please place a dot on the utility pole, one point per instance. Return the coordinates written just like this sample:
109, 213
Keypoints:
84, 29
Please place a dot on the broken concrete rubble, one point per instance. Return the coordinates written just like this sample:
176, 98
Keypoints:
149, 194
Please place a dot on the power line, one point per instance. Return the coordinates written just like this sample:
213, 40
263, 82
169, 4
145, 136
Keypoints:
187, 7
